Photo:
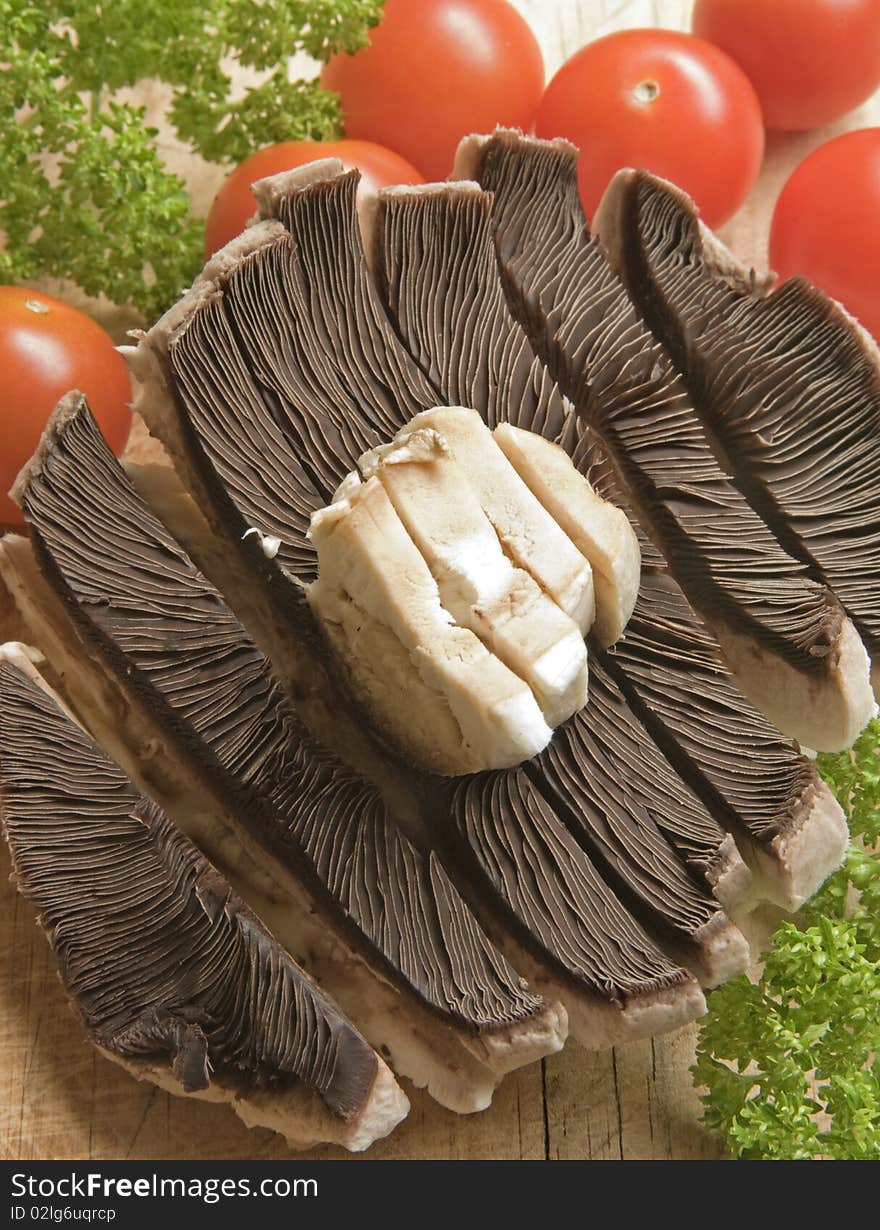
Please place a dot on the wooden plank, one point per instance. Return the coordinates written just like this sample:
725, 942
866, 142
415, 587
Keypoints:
636, 1101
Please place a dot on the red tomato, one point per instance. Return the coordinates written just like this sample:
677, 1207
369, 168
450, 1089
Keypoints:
436, 70
825, 225
234, 205
809, 60
663, 101
47, 349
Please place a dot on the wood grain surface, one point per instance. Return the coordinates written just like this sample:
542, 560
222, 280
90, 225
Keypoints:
59, 1099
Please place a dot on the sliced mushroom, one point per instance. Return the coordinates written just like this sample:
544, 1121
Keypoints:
170, 972
529, 535
435, 262
543, 898
109, 609
786, 638
432, 686
787, 383
602, 866
754, 781
195, 685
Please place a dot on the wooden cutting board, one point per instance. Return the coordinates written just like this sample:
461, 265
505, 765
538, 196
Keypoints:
59, 1099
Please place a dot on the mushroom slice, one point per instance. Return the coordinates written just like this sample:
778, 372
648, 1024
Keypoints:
786, 382
435, 266
382, 609
170, 972
196, 712
562, 924
787, 639
600, 530
478, 584
754, 781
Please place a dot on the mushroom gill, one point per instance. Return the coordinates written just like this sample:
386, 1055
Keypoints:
787, 383
785, 636
170, 972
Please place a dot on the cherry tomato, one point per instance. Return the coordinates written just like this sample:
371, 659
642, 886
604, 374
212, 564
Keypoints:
235, 205
663, 101
825, 225
436, 70
809, 60
46, 349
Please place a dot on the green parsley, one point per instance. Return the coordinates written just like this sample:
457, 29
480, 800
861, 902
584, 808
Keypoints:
791, 1063
84, 194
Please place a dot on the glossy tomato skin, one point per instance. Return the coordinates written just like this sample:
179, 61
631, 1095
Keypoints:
663, 101
235, 205
810, 61
436, 70
46, 349
825, 224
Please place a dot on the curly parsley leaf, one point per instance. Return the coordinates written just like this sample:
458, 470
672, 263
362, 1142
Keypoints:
791, 1061
276, 110
84, 193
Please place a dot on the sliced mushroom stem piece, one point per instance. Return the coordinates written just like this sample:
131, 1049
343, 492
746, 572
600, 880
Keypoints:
599, 529
171, 974
786, 638
377, 596
530, 535
478, 584
189, 701
787, 383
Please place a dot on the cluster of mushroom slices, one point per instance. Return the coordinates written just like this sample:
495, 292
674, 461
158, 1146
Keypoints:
169, 681
786, 383
346, 648
753, 484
